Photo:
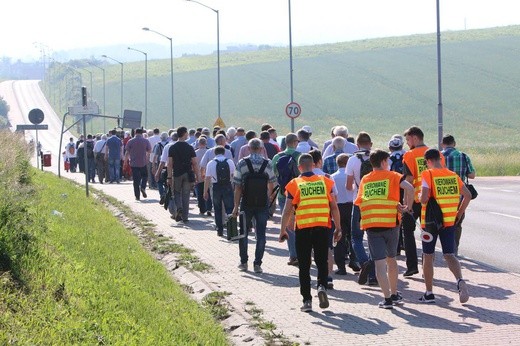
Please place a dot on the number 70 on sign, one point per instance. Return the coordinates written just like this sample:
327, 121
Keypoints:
293, 110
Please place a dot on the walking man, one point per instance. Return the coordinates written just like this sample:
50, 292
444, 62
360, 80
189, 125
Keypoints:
114, 147
379, 202
446, 188
137, 151
311, 198
254, 181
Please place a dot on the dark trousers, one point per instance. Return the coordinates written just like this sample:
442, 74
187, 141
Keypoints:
410, 248
308, 239
140, 177
222, 194
101, 166
204, 205
344, 245
73, 164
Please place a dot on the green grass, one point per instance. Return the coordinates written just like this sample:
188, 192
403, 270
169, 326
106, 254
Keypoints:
89, 281
382, 86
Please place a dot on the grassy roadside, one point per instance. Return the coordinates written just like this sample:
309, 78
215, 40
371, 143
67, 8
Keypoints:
82, 278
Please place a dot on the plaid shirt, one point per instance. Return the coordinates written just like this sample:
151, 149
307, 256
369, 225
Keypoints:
329, 163
458, 162
256, 161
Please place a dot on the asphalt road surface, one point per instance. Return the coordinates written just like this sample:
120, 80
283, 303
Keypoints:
490, 230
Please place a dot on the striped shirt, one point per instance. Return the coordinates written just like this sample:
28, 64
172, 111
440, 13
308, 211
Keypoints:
458, 162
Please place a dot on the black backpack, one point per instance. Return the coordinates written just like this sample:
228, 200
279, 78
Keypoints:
255, 186
160, 146
366, 166
433, 220
90, 149
223, 172
287, 168
396, 163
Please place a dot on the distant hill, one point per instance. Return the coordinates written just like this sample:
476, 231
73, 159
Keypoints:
378, 85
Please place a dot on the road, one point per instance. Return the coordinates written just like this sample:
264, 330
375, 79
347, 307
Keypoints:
490, 232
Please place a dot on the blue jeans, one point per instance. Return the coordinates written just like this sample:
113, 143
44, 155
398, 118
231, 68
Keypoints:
114, 171
140, 177
291, 240
222, 194
261, 216
204, 205
357, 239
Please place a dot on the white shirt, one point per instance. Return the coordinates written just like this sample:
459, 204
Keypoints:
354, 169
166, 149
153, 141
303, 147
340, 178
100, 146
211, 168
210, 155
349, 148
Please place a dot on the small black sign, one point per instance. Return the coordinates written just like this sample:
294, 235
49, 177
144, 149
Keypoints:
36, 116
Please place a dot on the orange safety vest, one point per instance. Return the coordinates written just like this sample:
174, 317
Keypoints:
414, 160
445, 187
378, 196
311, 198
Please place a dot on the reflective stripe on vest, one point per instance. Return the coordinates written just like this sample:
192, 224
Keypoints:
446, 190
379, 196
313, 208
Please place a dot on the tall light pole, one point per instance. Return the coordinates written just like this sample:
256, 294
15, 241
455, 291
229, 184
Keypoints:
145, 85
439, 79
218, 51
119, 62
104, 98
171, 69
291, 62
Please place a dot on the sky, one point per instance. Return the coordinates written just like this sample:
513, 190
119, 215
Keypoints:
26, 26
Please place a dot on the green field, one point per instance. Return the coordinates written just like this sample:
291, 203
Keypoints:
381, 86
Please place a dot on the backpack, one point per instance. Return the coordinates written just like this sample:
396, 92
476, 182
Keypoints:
223, 172
396, 163
90, 149
366, 166
433, 220
287, 168
255, 186
72, 148
159, 154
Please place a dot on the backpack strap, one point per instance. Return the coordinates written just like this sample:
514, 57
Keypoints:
249, 165
264, 165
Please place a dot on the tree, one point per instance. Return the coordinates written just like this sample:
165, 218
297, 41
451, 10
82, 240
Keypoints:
4, 109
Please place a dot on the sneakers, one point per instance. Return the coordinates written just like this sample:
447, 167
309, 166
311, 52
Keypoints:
322, 297
463, 291
427, 298
340, 272
293, 261
242, 267
366, 268
330, 283
307, 306
410, 272
397, 299
258, 269
143, 191
373, 282
386, 304
178, 217
354, 266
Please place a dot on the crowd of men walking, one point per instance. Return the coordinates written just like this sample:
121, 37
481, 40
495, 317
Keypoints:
328, 199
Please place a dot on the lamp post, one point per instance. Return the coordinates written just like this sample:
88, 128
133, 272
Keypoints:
218, 51
119, 62
439, 79
104, 99
171, 69
90, 73
291, 62
145, 85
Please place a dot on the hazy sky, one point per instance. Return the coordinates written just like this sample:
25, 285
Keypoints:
65, 24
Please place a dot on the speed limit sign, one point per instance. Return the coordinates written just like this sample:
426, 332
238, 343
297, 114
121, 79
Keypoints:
293, 110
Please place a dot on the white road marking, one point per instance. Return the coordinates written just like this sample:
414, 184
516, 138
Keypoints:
507, 190
506, 215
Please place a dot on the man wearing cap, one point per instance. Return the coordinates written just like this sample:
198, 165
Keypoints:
308, 129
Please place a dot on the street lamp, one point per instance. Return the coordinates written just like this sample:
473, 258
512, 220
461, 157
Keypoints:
171, 68
119, 62
291, 62
104, 99
439, 79
218, 51
145, 85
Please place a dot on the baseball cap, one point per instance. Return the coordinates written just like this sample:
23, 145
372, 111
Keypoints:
395, 142
307, 129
